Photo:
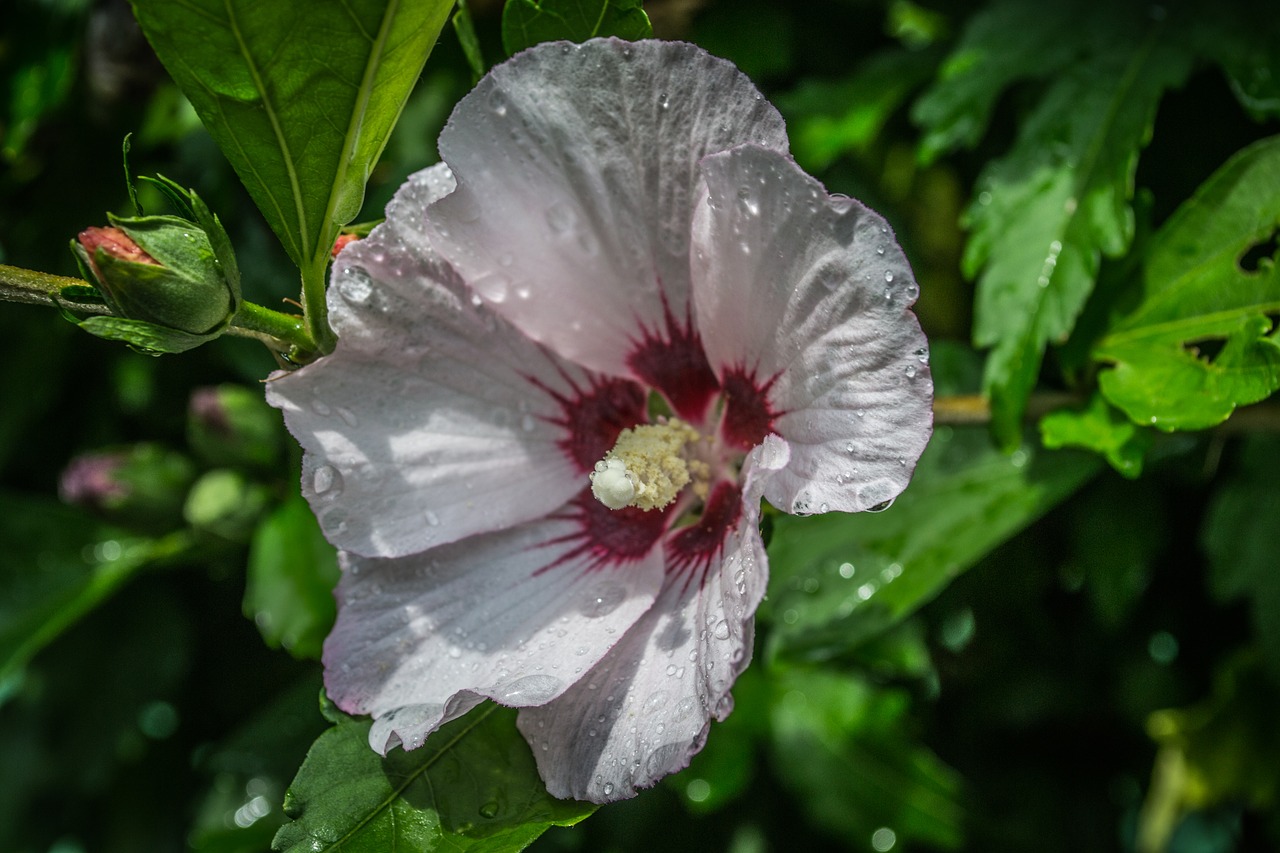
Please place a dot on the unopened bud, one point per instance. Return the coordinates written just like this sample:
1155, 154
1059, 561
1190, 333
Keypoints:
143, 486
232, 426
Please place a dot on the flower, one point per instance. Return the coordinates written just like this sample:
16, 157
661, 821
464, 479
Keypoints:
618, 289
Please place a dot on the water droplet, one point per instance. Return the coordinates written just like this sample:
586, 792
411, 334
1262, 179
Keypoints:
433, 520
321, 408
489, 810
824, 507
664, 101
608, 788
740, 581
923, 355
911, 371
888, 276
492, 286
348, 417
866, 591
326, 480
455, 652
602, 599
355, 285
847, 570
722, 630
531, 690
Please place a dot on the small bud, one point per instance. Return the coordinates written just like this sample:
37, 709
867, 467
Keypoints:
233, 427
343, 241
143, 486
226, 504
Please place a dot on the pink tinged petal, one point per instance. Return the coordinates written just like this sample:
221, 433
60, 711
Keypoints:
434, 419
803, 302
647, 707
516, 616
576, 168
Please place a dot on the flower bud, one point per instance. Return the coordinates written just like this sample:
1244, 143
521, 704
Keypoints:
143, 486
233, 427
226, 504
160, 270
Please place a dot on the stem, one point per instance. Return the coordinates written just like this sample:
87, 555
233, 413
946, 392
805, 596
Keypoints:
274, 328
40, 288
315, 309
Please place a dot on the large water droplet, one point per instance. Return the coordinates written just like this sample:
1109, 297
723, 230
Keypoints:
722, 630
327, 480
355, 285
531, 690
602, 599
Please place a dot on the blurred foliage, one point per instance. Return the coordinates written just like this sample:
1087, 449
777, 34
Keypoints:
1028, 651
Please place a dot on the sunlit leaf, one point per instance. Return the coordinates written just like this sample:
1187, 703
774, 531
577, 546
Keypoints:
300, 97
529, 22
291, 574
1196, 297
1047, 212
472, 787
1102, 429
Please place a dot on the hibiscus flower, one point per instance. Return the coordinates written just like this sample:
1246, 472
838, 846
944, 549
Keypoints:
571, 362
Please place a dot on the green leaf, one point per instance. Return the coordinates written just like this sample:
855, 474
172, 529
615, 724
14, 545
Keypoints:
1194, 292
1060, 199
300, 97
827, 119
146, 337
529, 22
1102, 429
291, 575
844, 747
465, 30
1242, 551
58, 565
841, 579
1001, 45
472, 787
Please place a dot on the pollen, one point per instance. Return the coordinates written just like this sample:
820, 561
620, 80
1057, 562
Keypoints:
647, 467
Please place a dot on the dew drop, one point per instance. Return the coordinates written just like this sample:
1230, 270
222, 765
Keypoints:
722, 630
888, 276
326, 481
608, 788
355, 285
911, 371
531, 690
432, 519
602, 599
321, 408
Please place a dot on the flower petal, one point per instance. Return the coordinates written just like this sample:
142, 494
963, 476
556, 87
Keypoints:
414, 426
808, 297
516, 616
576, 169
647, 707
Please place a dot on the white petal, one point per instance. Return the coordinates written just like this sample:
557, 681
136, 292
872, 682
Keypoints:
811, 293
646, 709
516, 616
433, 419
576, 167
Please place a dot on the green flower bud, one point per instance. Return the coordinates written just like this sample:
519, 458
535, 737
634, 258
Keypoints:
171, 282
226, 504
232, 426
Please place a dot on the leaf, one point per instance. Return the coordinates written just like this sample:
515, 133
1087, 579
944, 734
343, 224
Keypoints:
1100, 428
529, 22
291, 574
146, 337
1060, 199
827, 119
1001, 45
465, 30
1195, 293
472, 787
300, 97
844, 747
58, 565
841, 579
1242, 551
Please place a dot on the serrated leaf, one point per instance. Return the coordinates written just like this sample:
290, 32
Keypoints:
1049, 210
838, 580
147, 337
472, 787
1002, 44
1102, 429
300, 97
1195, 294
291, 574
58, 565
529, 22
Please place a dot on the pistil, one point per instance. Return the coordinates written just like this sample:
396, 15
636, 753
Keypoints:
647, 467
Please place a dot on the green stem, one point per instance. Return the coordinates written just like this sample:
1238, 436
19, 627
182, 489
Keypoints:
40, 288
314, 308
285, 332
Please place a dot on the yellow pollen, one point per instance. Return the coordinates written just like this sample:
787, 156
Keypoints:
646, 467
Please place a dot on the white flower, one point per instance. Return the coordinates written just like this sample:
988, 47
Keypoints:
619, 272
